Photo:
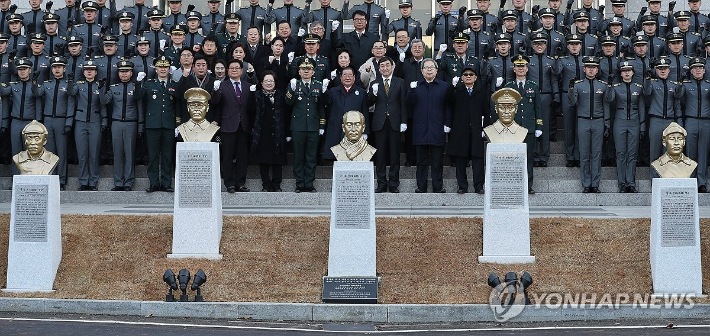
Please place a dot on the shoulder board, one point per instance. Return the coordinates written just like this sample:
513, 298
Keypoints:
48, 81
317, 82
661, 38
97, 57
532, 82
14, 82
550, 57
672, 82
3, 84
624, 37
652, 79
603, 82
492, 57
112, 85
629, 58
639, 85
592, 35
578, 81
687, 81
80, 82
511, 83
617, 84
151, 80
696, 34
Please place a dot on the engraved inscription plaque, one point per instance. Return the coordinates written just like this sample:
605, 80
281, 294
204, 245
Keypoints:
507, 180
195, 180
350, 289
677, 217
31, 213
352, 199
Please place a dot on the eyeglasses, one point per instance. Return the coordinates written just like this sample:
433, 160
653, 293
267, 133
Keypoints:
268, 81
378, 48
429, 68
359, 19
468, 74
234, 68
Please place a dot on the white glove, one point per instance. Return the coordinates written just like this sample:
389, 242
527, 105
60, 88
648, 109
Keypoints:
140, 76
401, 57
447, 129
413, 85
288, 139
499, 81
252, 88
290, 57
455, 80
387, 13
162, 44
321, 132
442, 48
216, 84
271, 59
364, 136
402, 128
333, 74
538, 133
293, 84
676, 30
375, 88
483, 134
335, 25
209, 71
326, 81
177, 132
301, 32
172, 68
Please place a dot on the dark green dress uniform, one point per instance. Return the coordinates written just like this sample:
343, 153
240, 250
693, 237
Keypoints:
451, 64
307, 119
321, 64
161, 106
224, 38
529, 114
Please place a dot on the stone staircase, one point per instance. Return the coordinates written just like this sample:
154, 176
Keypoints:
556, 185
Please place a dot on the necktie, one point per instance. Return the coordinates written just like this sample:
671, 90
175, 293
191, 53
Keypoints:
163, 84
520, 86
308, 87
469, 92
238, 92
387, 86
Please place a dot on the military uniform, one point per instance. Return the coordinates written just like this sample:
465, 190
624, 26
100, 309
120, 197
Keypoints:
172, 20
443, 27
140, 17
626, 100
377, 21
162, 110
593, 120
128, 122
523, 19
68, 17
696, 121
554, 40
627, 26
89, 32
33, 18
40, 62
413, 26
208, 23
126, 40
54, 95
541, 70
326, 16
155, 36
593, 15
253, 16
480, 41
89, 118
22, 107
663, 109
452, 65
661, 22
55, 40
307, 119
569, 68
143, 64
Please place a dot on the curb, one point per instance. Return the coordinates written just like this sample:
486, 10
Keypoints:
378, 313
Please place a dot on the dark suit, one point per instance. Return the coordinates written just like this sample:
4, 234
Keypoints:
389, 113
469, 116
337, 102
280, 67
254, 57
410, 70
232, 112
360, 48
189, 82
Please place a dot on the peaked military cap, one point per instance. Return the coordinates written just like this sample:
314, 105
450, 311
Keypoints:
194, 15
23, 63
674, 37
178, 29
547, 12
110, 39
156, 13
4, 37
58, 60
649, 1
305, 64
161, 61
615, 21
75, 40
682, 15
510, 14
648, 19
232, 18
618, 3
460, 37
126, 16
214, 1
607, 39
90, 5
125, 66
311, 38
50, 18
90, 65
573, 38
475, 14
581, 16
143, 40
590, 61
625, 65
640, 39
38, 37
663, 62
444, 2
506, 96
696, 62
539, 37
15, 18
503, 37
521, 60
405, 3
673, 127
706, 40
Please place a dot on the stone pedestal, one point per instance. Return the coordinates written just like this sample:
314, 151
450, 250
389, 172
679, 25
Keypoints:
352, 271
197, 218
35, 248
506, 215
675, 237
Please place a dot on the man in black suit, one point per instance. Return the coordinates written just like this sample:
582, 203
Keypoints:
197, 77
359, 41
389, 120
410, 71
231, 101
255, 49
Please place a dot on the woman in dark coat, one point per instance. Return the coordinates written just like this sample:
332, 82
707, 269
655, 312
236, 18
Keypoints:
469, 116
268, 147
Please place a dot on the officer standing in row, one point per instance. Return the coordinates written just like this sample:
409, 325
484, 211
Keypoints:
541, 70
127, 124
412, 25
377, 17
213, 22
157, 37
555, 39
55, 43
75, 57
451, 64
663, 107
253, 16
54, 95
480, 41
592, 122
626, 100
628, 27
90, 30
126, 38
139, 13
443, 26
40, 63
569, 69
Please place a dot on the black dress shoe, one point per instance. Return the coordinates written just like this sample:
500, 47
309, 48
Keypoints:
531, 191
536, 164
440, 191
83, 188
127, 188
630, 189
702, 189
243, 189
570, 163
543, 164
62, 187
152, 189
586, 190
298, 190
596, 190
117, 188
231, 190
394, 190
265, 190
92, 188
312, 189
167, 189
480, 191
381, 189
277, 189
419, 191
461, 191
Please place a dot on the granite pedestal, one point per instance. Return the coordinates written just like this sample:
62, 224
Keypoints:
675, 237
506, 214
35, 248
197, 218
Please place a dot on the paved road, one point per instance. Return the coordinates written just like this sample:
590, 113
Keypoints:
75, 325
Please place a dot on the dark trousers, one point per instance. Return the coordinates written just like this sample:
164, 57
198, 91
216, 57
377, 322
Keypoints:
305, 149
387, 143
235, 144
542, 152
161, 144
57, 144
271, 176
530, 142
408, 146
477, 170
425, 154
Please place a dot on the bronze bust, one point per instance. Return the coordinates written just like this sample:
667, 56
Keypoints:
197, 129
35, 160
505, 129
353, 147
673, 164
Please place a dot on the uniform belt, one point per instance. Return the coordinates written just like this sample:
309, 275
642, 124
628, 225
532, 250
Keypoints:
56, 117
589, 117
130, 120
623, 109
659, 117
20, 119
